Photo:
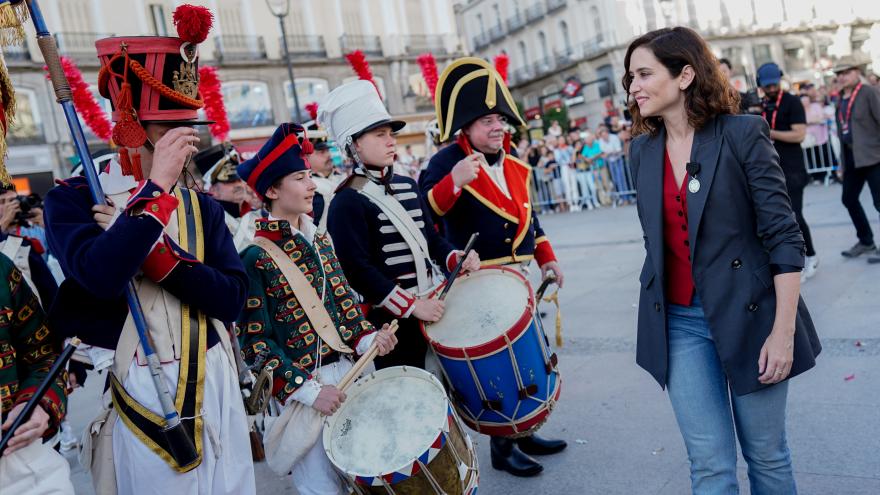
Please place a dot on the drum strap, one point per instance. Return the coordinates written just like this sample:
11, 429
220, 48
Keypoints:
407, 228
307, 296
145, 424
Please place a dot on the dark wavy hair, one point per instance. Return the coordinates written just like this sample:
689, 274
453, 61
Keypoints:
709, 95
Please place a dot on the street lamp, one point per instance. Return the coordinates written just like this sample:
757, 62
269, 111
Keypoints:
280, 9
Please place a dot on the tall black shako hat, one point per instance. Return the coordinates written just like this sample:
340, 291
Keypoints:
468, 89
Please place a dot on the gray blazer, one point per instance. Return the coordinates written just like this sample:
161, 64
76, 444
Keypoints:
866, 126
740, 222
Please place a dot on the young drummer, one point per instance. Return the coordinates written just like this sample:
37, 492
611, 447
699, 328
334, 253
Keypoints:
290, 266
381, 225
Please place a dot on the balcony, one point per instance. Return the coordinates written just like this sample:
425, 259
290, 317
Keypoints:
543, 66
481, 41
238, 48
535, 12
79, 45
565, 57
516, 22
306, 46
416, 44
555, 5
594, 47
496, 32
369, 44
521, 75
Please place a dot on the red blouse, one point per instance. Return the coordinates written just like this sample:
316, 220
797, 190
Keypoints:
677, 254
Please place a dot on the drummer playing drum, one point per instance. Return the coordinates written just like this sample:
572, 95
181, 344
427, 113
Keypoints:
308, 358
477, 184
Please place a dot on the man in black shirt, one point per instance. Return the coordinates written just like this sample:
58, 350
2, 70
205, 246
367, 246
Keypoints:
788, 127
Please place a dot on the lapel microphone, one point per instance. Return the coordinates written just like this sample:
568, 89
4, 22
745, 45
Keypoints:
693, 168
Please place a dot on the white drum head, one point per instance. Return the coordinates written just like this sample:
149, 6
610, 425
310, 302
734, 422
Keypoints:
479, 307
389, 418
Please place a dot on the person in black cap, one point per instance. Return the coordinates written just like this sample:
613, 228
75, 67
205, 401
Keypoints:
788, 127
220, 180
325, 175
477, 184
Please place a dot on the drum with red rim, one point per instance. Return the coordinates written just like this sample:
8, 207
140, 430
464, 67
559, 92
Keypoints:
494, 354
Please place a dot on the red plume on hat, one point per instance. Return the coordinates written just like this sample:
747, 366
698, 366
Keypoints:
215, 108
429, 71
312, 108
193, 22
501, 63
84, 101
361, 67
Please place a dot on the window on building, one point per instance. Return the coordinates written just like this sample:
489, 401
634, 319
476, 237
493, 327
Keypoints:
524, 53
230, 21
606, 72
247, 104
480, 24
308, 90
28, 126
157, 17
545, 50
795, 56
566, 39
735, 55
75, 16
597, 22
762, 54
497, 12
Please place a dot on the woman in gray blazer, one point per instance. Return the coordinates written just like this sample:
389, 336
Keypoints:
721, 321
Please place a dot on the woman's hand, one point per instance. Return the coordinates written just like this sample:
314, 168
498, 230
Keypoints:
777, 356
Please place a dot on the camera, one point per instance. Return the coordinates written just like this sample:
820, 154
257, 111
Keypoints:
26, 204
750, 103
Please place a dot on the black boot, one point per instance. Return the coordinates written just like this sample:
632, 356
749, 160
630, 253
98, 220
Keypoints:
506, 457
535, 445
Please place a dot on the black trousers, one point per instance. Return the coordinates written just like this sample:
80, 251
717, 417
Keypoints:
411, 345
854, 180
795, 186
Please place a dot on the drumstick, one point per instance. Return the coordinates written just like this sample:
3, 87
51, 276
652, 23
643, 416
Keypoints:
467, 249
539, 294
362, 363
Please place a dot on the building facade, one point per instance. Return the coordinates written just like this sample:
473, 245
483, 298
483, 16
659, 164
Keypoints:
245, 45
552, 42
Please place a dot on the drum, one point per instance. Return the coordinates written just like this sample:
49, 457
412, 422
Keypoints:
397, 433
494, 354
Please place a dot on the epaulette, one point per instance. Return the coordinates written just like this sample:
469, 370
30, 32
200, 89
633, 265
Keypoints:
353, 181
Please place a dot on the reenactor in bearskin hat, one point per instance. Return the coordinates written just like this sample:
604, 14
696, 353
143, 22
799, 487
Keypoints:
217, 165
175, 245
381, 225
477, 184
300, 311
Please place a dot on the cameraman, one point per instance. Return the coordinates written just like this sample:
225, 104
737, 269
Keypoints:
24, 246
787, 118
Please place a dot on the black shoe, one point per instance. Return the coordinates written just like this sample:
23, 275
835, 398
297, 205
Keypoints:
874, 259
858, 249
506, 457
535, 445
